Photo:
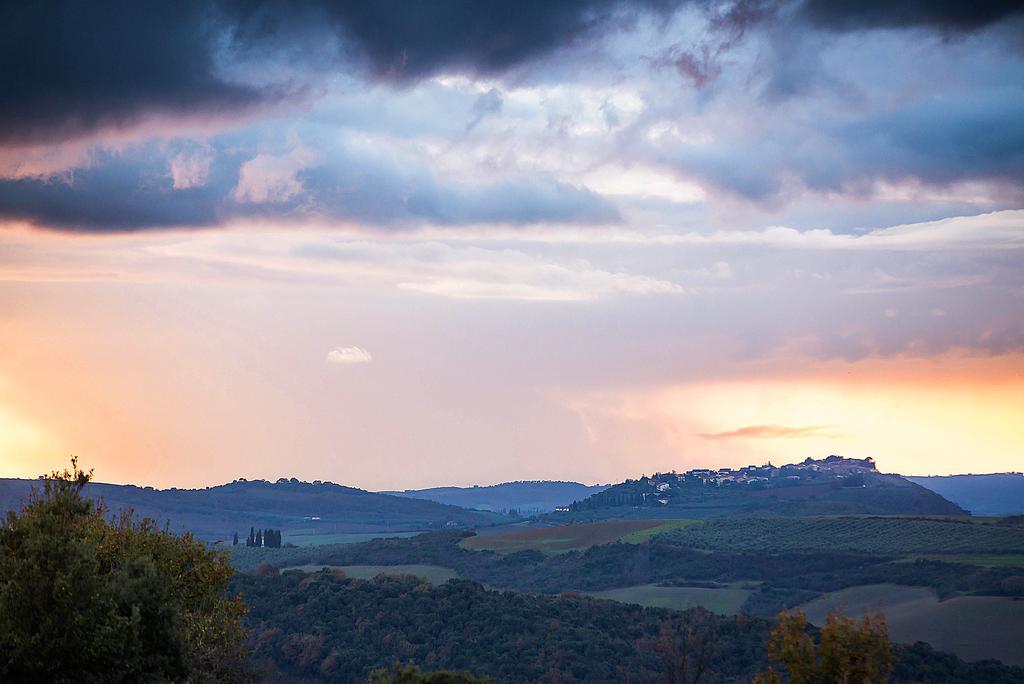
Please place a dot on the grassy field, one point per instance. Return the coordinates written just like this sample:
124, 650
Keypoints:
561, 538
973, 627
314, 538
882, 535
726, 601
435, 574
644, 535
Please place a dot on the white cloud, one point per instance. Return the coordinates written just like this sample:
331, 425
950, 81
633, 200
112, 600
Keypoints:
190, 170
639, 181
428, 267
994, 230
349, 355
268, 178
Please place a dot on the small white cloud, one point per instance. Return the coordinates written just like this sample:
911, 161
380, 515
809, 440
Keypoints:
270, 178
190, 170
720, 270
349, 355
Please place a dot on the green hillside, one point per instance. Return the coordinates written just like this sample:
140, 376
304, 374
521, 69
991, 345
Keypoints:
831, 486
880, 535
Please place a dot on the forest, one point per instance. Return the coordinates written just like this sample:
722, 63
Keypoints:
329, 627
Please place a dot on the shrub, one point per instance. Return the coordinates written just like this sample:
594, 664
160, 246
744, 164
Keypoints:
87, 599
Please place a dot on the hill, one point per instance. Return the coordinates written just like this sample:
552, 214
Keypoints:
525, 497
829, 486
317, 508
995, 494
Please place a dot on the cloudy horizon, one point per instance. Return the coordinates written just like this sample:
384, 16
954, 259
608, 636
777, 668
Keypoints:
399, 245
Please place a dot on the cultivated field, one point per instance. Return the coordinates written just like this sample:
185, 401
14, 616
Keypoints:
562, 538
726, 601
315, 538
644, 535
435, 574
882, 535
973, 627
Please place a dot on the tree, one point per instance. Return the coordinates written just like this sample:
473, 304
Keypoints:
87, 599
410, 674
234, 542
686, 647
846, 653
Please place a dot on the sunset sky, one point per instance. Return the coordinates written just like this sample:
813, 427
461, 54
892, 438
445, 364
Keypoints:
403, 244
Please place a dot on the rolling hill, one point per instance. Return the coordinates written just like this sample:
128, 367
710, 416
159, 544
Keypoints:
318, 508
526, 497
830, 486
995, 494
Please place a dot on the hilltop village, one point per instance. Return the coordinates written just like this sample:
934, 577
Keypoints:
832, 467
662, 488
809, 471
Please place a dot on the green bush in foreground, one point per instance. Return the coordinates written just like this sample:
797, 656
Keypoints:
84, 599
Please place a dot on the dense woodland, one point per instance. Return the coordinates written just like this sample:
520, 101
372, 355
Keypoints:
324, 626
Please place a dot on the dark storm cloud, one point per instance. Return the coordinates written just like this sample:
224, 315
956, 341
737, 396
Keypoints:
943, 15
409, 39
69, 68
119, 192
938, 141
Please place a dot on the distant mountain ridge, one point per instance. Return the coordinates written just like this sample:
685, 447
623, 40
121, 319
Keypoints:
525, 496
991, 494
830, 486
215, 513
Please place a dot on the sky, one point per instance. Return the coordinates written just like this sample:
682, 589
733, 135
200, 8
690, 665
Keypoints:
404, 244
